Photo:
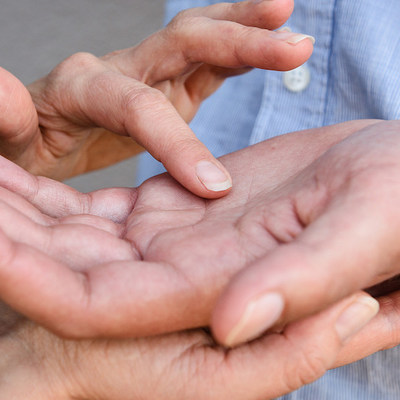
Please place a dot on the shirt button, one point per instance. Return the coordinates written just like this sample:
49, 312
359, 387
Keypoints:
297, 79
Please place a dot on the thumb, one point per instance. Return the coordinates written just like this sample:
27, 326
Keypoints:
18, 117
279, 363
348, 248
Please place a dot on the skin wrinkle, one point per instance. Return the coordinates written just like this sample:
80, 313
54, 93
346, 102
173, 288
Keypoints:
33, 190
51, 144
36, 216
85, 303
132, 201
135, 247
298, 226
165, 231
203, 363
251, 183
309, 371
86, 203
289, 232
49, 240
320, 198
247, 239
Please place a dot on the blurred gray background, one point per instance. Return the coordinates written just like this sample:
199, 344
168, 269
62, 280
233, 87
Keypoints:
35, 35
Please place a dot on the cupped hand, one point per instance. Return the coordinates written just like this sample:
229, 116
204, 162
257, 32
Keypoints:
337, 225
36, 365
123, 262
61, 126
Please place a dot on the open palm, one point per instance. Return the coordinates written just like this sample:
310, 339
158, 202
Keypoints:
153, 259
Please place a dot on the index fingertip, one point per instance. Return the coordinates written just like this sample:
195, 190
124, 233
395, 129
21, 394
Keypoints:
214, 177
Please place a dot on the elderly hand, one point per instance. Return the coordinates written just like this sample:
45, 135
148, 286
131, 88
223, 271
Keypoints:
62, 126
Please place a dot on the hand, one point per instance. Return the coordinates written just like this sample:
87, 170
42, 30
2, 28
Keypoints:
36, 365
123, 262
336, 226
62, 126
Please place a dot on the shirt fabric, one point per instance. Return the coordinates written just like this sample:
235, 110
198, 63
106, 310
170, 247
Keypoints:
354, 74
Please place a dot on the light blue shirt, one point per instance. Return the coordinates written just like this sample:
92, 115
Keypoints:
354, 74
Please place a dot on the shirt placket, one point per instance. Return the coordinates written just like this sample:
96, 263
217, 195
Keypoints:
297, 99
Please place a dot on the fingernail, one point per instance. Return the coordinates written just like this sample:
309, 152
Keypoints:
356, 316
299, 37
284, 29
292, 38
260, 314
212, 177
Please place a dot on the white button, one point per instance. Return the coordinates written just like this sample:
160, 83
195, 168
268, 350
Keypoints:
297, 79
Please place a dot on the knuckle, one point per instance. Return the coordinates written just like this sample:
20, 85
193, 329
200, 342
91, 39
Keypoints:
81, 61
184, 25
186, 144
180, 20
241, 37
174, 28
275, 58
312, 367
305, 368
137, 99
182, 147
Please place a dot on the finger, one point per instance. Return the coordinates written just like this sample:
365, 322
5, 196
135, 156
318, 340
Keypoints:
220, 43
350, 246
119, 299
16, 206
237, 46
77, 245
262, 14
15, 125
20, 204
170, 140
184, 35
382, 333
132, 108
58, 200
280, 363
